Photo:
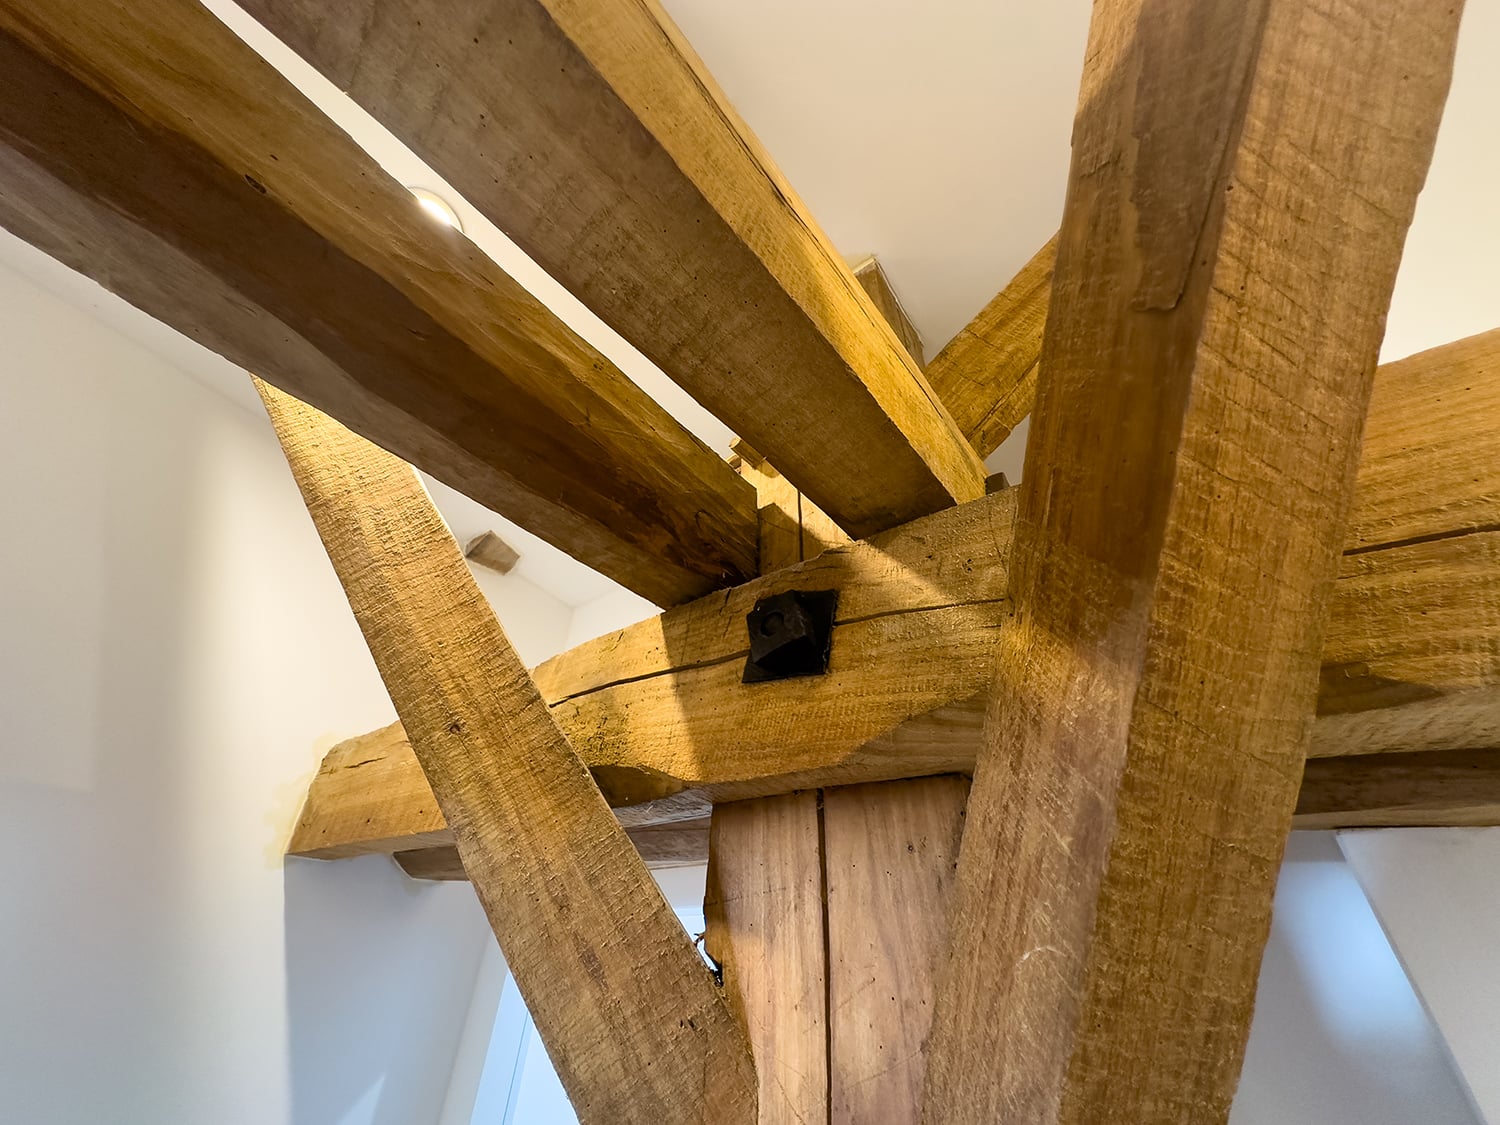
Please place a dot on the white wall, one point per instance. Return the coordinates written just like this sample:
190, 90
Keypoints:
1339, 1036
175, 657
1434, 890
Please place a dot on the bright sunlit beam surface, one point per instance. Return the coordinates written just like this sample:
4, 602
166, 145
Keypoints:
436, 206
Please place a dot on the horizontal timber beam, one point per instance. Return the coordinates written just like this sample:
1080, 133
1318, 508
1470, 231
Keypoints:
679, 231
1432, 789
1411, 658
645, 706
146, 146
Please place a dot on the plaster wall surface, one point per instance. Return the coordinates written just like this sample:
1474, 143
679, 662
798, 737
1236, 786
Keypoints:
175, 657
1339, 1036
1435, 892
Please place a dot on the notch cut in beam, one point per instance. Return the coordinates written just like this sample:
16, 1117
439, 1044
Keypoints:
628, 1012
146, 146
679, 231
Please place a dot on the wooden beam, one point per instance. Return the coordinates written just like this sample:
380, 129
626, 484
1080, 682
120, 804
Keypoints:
1433, 789
792, 528
1427, 789
987, 374
490, 551
1243, 177
827, 911
1411, 657
889, 851
629, 1015
877, 285
658, 707
681, 843
146, 146
763, 906
1429, 468
679, 231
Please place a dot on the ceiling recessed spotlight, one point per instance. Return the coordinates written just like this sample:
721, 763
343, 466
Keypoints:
438, 207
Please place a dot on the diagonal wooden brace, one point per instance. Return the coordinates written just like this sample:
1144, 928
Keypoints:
629, 1014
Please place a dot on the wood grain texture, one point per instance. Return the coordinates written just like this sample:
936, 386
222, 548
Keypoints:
1433, 789
630, 1017
146, 146
764, 910
987, 374
889, 852
1411, 656
488, 550
679, 230
674, 681
877, 285
1414, 438
682, 843
1243, 176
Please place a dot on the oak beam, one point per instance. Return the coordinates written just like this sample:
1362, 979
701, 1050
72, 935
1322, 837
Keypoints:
679, 231
1432, 789
681, 843
877, 285
763, 907
1410, 662
987, 374
889, 851
1426, 789
1429, 468
146, 146
1243, 177
630, 1017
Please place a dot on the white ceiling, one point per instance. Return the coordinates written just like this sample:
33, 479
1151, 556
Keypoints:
932, 134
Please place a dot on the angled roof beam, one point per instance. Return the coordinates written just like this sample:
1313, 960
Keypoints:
1242, 181
628, 1012
987, 374
592, 135
146, 146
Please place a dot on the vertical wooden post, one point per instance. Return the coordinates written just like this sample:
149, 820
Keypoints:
764, 913
889, 853
828, 912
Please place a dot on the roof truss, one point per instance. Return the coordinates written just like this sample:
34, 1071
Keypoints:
1123, 650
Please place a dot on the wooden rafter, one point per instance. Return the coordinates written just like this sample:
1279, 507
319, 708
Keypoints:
628, 1012
146, 146
987, 374
1243, 176
678, 230
876, 283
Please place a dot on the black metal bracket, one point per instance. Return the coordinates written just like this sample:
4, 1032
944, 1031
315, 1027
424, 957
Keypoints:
791, 634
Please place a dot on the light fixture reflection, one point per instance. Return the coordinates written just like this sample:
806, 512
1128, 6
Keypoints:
438, 207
